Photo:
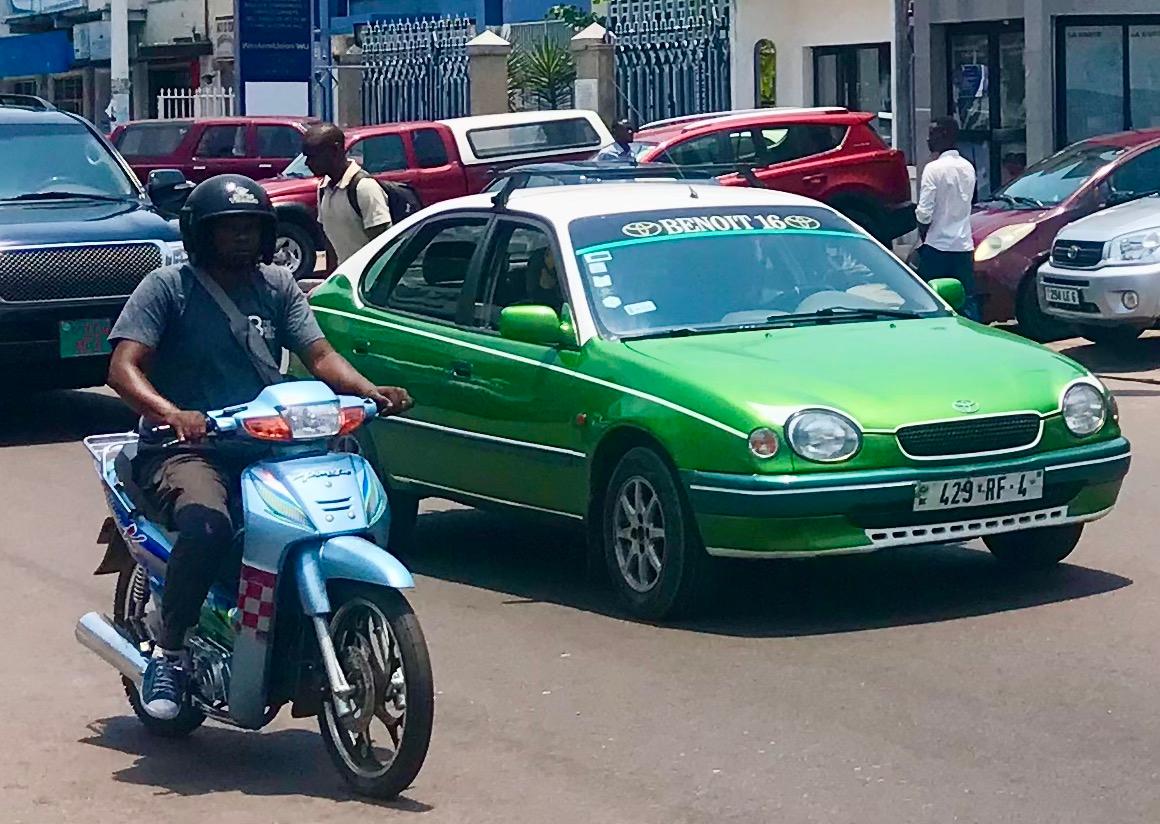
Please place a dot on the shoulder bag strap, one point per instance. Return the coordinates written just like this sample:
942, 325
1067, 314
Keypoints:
244, 332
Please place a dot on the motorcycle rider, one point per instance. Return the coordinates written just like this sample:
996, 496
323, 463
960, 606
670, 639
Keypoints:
176, 356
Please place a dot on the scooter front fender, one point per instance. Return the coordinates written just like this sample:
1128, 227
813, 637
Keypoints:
344, 558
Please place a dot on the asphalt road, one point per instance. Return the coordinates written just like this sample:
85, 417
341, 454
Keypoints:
908, 686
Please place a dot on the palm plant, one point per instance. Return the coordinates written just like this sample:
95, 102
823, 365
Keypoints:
545, 72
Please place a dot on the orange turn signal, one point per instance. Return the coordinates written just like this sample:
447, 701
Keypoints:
351, 418
268, 428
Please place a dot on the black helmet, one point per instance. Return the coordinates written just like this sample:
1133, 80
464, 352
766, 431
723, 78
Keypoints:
219, 196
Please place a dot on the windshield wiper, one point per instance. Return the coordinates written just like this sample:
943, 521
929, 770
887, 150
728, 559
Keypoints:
680, 332
64, 196
842, 313
1018, 200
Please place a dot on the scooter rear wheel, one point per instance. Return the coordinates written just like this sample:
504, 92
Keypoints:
130, 602
381, 746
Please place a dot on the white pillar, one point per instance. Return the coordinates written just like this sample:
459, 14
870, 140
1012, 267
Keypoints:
120, 87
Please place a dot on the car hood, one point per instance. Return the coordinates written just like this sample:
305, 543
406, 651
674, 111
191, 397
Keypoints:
1136, 216
882, 374
283, 187
81, 221
986, 220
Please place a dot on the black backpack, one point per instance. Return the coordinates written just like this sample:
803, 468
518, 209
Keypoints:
402, 200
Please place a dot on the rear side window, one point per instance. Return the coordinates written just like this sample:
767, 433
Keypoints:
429, 149
222, 141
533, 138
152, 139
427, 277
382, 153
279, 141
785, 143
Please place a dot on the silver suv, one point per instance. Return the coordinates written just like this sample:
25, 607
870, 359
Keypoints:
1103, 276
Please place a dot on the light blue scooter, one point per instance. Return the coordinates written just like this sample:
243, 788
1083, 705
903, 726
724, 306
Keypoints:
316, 617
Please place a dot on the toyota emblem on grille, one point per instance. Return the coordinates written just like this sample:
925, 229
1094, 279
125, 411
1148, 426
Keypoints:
966, 407
1072, 252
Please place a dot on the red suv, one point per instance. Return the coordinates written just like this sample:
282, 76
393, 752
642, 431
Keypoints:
831, 155
257, 147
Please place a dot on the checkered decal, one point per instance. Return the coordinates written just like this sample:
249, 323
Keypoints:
256, 599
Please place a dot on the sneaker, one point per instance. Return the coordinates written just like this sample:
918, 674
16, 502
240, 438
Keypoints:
163, 688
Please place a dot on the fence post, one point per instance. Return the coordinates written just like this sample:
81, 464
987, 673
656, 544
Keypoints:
348, 105
487, 69
595, 59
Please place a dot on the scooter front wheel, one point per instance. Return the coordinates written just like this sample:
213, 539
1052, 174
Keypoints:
379, 747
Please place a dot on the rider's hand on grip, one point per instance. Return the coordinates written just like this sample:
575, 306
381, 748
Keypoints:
188, 427
391, 400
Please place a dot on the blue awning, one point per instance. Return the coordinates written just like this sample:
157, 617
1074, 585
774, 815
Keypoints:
29, 54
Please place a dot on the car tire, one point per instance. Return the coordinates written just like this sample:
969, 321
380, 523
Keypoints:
1034, 549
1113, 337
656, 576
295, 249
867, 220
1033, 322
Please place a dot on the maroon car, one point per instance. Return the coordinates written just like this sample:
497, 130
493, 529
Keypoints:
257, 147
1015, 228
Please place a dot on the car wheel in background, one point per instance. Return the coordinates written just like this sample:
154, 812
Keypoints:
294, 249
652, 548
867, 219
1034, 548
1033, 323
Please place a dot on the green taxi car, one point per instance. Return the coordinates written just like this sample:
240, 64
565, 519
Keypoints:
698, 371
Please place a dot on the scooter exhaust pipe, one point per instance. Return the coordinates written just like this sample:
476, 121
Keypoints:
95, 632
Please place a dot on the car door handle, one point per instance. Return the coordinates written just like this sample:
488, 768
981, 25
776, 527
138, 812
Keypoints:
461, 369
361, 347
199, 168
815, 180
265, 165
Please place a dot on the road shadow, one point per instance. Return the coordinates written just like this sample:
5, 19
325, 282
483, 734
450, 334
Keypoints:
1140, 356
899, 587
61, 417
215, 759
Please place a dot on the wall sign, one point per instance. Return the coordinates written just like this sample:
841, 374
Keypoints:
273, 56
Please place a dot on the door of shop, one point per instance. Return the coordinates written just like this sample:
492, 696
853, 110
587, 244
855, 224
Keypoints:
986, 90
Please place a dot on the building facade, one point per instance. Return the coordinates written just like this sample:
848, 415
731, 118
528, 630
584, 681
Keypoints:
1027, 77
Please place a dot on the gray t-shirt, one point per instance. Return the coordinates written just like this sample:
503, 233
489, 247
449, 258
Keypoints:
199, 365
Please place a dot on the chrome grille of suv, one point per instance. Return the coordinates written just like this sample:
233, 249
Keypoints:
969, 436
1077, 254
75, 272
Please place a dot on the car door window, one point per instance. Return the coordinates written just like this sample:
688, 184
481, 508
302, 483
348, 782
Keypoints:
152, 139
279, 141
381, 153
1138, 176
428, 277
430, 152
784, 144
522, 270
222, 141
725, 148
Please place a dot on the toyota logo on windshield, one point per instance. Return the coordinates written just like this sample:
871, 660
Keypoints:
642, 228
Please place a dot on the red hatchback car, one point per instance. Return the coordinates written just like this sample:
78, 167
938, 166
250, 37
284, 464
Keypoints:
832, 155
257, 147
1014, 229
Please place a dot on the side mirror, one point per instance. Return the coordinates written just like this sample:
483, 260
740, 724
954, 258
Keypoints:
168, 189
951, 290
535, 324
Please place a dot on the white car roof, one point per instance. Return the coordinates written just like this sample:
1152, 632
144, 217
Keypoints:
562, 204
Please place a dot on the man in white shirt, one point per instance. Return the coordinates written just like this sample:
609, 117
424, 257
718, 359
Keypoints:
944, 213
346, 228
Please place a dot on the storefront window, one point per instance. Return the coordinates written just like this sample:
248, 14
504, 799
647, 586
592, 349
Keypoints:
68, 93
970, 80
1109, 76
857, 78
765, 74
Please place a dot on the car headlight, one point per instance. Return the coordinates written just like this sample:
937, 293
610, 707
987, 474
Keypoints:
824, 436
1000, 240
1136, 248
175, 254
1084, 409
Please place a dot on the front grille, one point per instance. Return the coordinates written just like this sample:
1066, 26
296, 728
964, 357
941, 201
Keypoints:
1077, 254
75, 272
969, 436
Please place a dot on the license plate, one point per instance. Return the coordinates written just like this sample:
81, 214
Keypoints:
84, 337
980, 491
1062, 295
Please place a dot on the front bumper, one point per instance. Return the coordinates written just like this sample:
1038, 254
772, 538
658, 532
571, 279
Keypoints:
1101, 293
30, 347
801, 515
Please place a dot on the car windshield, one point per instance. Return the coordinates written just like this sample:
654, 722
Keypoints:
298, 168
691, 271
59, 159
1054, 179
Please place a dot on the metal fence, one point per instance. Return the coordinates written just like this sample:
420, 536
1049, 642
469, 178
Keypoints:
208, 101
672, 57
415, 69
